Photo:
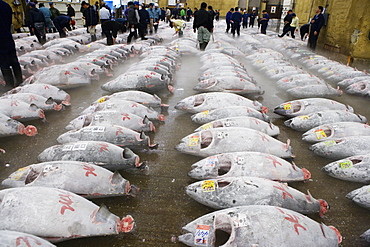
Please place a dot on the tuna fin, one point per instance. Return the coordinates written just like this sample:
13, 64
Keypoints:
340, 91
287, 145
116, 178
101, 215
309, 197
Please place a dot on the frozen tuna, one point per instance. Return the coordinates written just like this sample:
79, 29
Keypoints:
226, 112
342, 148
259, 225
127, 120
221, 140
10, 127
334, 131
210, 101
45, 90
311, 105
124, 106
243, 191
13, 238
103, 154
20, 110
360, 196
251, 164
117, 135
355, 169
366, 236
314, 90
46, 104
76, 216
78, 177
245, 122
312, 120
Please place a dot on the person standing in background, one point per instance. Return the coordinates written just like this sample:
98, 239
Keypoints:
189, 13
104, 14
203, 22
182, 14
143, 22
37, 21
264, 21
245, 19
236, 19
91, 19
228, 19
287, 21
70, 11
54, 13
163, 14
315, 26
217, 15
168, 14
293, 26
211, 12
252, 18
157, 15
47, 14
133, 19
9, 64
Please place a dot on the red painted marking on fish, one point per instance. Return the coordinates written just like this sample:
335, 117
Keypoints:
264, 138
76, 68
125, 116
274, 161
257, 121
148, 76
90, 170
32, 98
285, 193
119, 131
134, 105
152, 73
67, 73
294, 219
248, 110
66, 201
14, 103
46, 87
26, 241
104, 146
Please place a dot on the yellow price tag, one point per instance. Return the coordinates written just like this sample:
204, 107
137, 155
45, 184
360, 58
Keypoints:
346, 164
207, 126
330, 143
208, 186
194, 140
101, 100
206, 112
320, 134
287, 106
304, 117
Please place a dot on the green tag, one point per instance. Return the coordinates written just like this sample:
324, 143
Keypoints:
346, 164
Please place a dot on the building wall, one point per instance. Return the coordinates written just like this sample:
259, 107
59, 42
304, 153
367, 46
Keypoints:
348, 25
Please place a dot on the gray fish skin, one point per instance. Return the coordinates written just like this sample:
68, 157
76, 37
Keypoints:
252, 164
315, 90
13, 238
312, 120
144, 80
127, 120
360, 88
103, 154
45, 90
299, 107
215, 141
10, 127
46, 104
82, 178
76, 216
136, 96
366, 236
334, 131
259, 225
229, 84
117, 135
228, 111
360, 196
244, 191
210, 101
245, 122
355, 169
20, 110
124, 106
342, 148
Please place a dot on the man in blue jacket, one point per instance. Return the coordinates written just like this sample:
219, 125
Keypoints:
9, 63
228, 19
61, 23
264, 21
316, 24
236, 19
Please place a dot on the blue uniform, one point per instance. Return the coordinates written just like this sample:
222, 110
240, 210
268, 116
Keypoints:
316, 24
228, 19
264, 22
236, 19
245, 20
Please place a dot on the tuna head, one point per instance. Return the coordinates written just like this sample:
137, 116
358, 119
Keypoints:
205, 234
79, 122
185, 104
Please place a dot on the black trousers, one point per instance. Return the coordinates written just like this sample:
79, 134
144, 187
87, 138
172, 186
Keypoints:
264, 26
228, 26
312, 40
236, 27
291, 30
11, 68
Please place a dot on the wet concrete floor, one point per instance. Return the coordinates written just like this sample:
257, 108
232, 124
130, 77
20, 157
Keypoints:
162, 207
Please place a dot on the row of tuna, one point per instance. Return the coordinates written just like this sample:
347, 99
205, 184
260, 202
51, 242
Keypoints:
242, 171
52, 186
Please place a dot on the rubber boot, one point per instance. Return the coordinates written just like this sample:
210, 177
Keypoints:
93, 38
18, 75
8, 76
201, 46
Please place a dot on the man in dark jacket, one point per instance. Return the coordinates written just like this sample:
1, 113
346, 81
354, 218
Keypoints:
70, 11
9, 63
189, 13
236, 19
61, 22
252, 18
228, 19
38, 23
110, 29
287, 21
316, 24
264, 21
133, 19
90, 16
143, 23
203, 21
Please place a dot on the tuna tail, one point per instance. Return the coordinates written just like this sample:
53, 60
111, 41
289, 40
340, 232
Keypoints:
2, 151
30, 130
324, 207
340, 238
126, 224
306, 174
339, 91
